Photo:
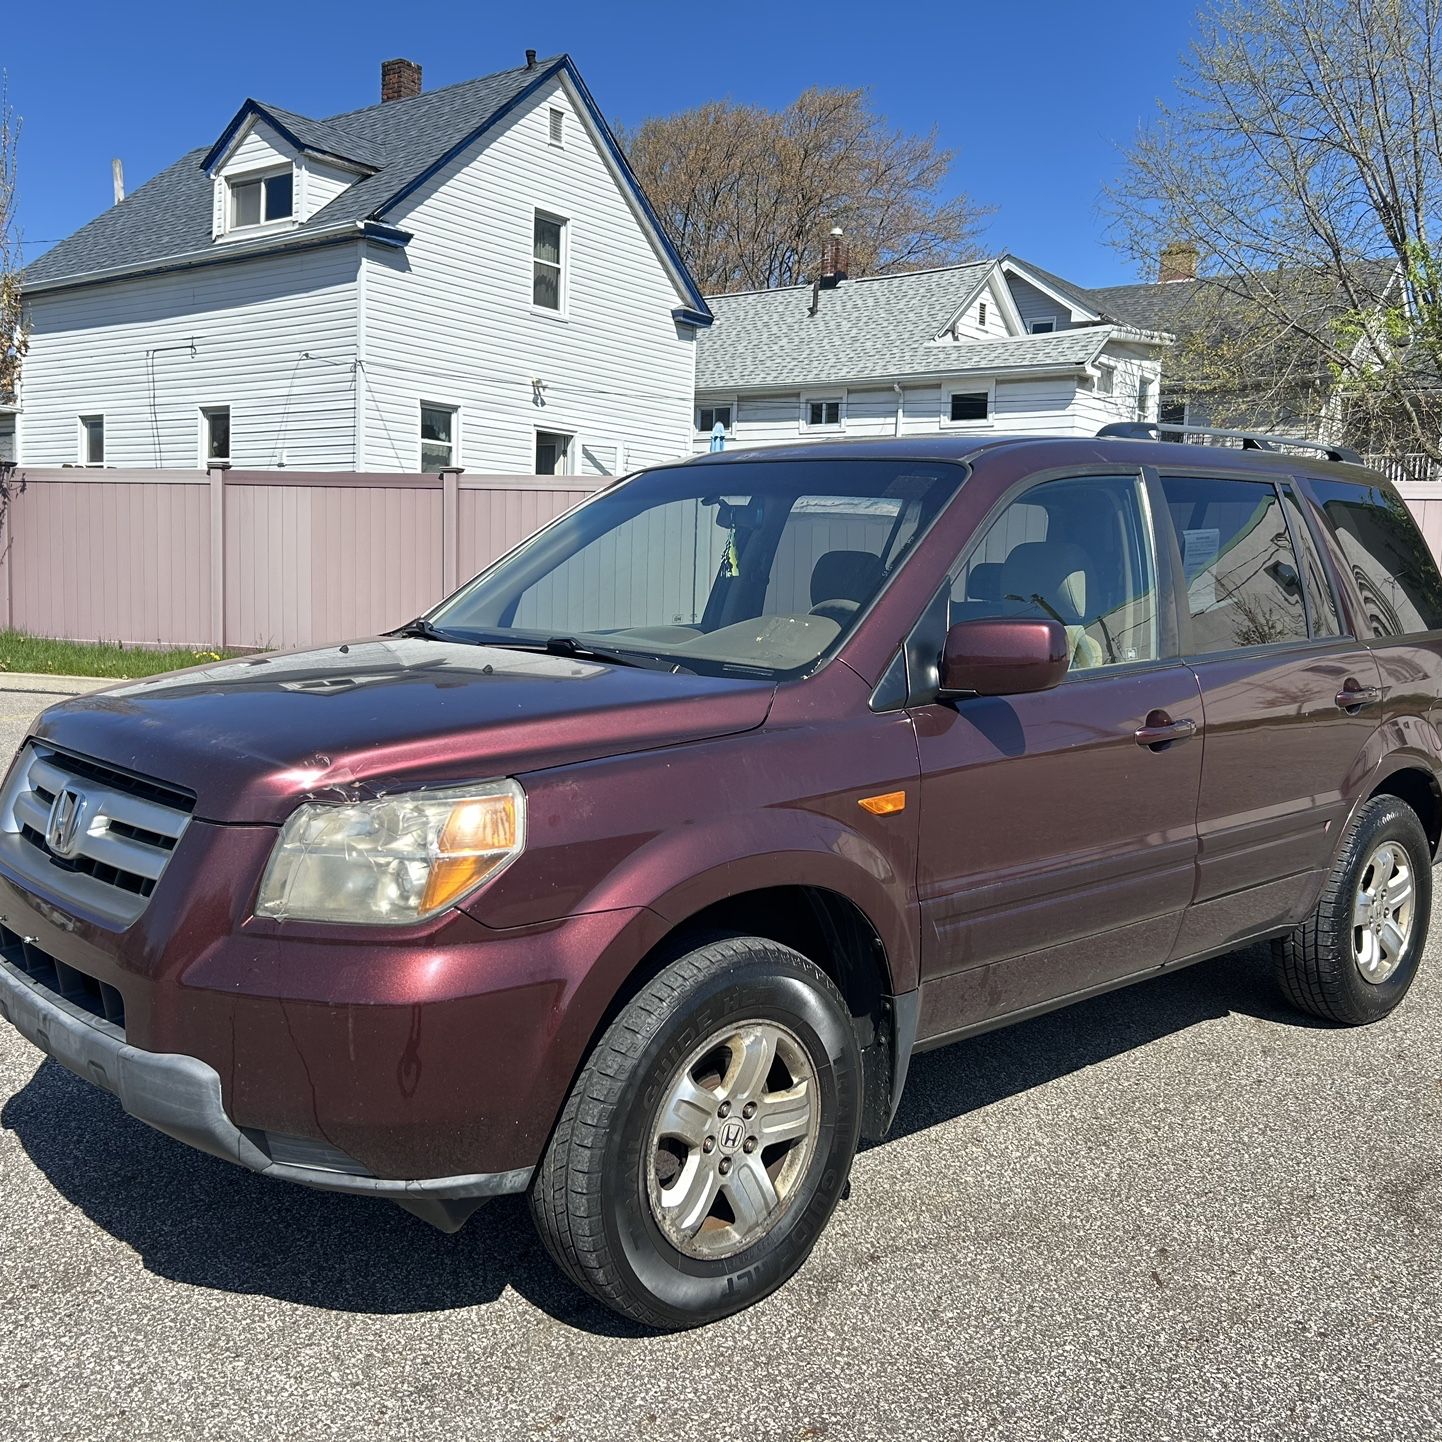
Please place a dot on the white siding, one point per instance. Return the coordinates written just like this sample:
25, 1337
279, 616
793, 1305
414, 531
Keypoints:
121, 350
450, 320
1035, 304
317, 184
1044, 405
969, 324
1131, 364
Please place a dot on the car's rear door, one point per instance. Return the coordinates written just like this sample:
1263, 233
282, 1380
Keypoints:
1057, 832
1289, 700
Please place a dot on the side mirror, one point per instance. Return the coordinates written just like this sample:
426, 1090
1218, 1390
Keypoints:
1003, 656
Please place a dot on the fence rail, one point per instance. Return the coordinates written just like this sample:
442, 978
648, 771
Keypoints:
1404, 470
254, 558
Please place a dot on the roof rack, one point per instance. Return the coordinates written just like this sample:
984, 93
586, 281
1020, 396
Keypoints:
1251, 440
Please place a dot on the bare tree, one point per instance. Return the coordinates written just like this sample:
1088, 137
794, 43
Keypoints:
749, 194
1302, 160
12, 325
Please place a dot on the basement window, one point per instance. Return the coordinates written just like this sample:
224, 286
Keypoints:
262, 199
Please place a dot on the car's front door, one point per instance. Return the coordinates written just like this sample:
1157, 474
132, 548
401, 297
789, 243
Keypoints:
1289, 703
1058, 829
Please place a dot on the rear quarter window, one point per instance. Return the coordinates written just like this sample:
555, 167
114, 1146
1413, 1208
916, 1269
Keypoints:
1386, 554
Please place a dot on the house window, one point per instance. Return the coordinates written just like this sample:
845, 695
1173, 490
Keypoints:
1106, 380
1144, 398
553, 453
92, 440
709, 417
981, 314
548, 239
1042, 327
558, 126
214, 434
261, 200
438, 438
823, 413
970, 405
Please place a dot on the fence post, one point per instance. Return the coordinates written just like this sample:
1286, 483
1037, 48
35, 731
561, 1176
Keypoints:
216, 477
450, 529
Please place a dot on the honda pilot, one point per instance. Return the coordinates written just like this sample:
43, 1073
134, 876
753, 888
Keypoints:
632, 876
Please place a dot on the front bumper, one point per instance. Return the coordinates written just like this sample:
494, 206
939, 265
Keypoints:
181, 1096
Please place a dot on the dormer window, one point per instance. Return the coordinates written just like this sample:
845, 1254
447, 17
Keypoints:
261, 199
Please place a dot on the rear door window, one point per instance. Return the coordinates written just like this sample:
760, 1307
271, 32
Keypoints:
1243, 584
1387, 556
1321, 603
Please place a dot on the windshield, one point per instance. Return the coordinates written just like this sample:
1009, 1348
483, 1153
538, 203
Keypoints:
725, 567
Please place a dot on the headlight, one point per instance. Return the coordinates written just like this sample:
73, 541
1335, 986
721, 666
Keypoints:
399, 859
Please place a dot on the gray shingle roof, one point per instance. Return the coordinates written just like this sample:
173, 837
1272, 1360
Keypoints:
321, 137
1176, 306
872, 328
170, 215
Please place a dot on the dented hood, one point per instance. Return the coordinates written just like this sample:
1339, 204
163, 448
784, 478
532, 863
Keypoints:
253, 737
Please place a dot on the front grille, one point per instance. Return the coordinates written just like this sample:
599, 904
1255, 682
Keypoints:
61, 979
121, 833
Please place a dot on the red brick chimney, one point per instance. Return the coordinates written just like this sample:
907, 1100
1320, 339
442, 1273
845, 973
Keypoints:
1179, 262
834, 271
400, 79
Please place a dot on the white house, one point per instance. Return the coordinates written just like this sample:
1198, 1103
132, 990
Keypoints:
470, 276
993, 345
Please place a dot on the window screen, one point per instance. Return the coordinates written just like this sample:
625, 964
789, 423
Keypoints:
1387, 556
1243, 585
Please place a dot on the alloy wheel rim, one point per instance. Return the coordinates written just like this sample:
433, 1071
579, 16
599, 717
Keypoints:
1383, 912
733, 1139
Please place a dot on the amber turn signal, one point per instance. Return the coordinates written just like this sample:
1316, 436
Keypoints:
884, 805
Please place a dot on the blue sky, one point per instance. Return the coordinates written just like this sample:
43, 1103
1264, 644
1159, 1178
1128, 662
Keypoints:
1036, 96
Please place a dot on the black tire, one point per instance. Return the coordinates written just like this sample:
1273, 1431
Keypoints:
590, 1197
1317, 965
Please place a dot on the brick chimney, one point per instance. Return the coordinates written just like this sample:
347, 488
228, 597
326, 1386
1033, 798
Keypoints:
1179, 262
834, 271
400, 79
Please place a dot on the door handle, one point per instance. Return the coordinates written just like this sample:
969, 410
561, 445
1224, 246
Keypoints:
1160, 730
1353, 698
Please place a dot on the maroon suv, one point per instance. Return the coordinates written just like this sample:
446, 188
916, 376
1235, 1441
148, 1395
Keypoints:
633, 875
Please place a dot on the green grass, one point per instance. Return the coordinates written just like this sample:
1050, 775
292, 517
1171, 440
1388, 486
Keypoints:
19, 652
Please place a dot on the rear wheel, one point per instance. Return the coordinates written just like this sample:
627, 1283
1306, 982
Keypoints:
1354, 958
708, 1138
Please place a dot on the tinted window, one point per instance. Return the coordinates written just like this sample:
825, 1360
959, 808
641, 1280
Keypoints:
1078, 551
1243, 585
1387, 556
1320, 601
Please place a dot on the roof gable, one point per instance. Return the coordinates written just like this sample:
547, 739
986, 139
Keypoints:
870, 329
398, 144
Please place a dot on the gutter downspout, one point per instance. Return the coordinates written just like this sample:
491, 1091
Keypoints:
900, 398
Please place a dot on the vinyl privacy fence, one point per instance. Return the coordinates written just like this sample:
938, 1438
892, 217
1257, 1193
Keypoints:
254, 558
282, 558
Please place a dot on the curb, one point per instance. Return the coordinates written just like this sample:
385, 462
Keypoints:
56, 685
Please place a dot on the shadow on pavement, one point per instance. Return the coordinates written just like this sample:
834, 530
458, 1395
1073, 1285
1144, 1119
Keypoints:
203, 1222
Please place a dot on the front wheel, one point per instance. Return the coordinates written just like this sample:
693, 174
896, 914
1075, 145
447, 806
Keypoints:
1354, 958
708, 1138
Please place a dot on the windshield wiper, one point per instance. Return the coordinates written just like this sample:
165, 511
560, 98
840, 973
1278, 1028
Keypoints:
569, 646
429, 631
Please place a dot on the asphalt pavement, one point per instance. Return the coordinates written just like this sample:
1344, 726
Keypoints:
1180, 1211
